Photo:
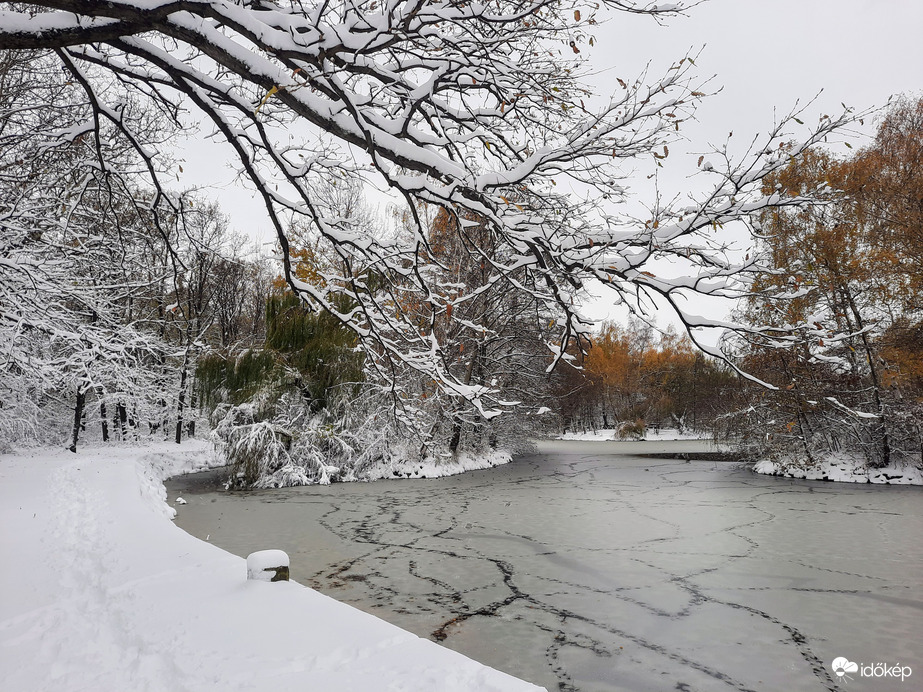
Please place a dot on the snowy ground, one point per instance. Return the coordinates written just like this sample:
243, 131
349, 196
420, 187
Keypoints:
100, 591
609, 434
845, 468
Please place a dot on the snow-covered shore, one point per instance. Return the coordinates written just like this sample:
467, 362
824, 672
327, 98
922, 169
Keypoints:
610, 434
844, 468
431, 468
100, 591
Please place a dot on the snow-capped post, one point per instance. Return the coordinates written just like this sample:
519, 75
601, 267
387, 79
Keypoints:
267, 565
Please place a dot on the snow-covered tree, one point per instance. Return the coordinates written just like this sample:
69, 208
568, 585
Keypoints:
850, 279
71, 212
241, 284
491, 338
477, 109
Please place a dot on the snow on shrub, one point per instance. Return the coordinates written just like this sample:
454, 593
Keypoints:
256, 451
632, 430
354, 438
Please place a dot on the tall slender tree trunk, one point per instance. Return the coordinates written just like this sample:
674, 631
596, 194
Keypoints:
801, 418
456, 424
123, 418
181, 400
881, 427
193, 404
104, 421
78, 417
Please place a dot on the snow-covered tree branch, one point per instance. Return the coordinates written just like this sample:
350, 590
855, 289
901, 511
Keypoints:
478, 109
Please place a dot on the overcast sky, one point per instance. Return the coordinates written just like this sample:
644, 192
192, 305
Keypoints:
766, 55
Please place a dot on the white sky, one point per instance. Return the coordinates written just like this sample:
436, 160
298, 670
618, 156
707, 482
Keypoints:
766, 55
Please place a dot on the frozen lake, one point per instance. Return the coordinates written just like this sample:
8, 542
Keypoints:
587, 567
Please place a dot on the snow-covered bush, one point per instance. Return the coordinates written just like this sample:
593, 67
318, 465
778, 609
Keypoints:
793, 439
356, 437
632, 430
255, 451
282, 446
19, 422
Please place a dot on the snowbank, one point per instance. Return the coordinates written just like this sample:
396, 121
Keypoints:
844, 468
432, 468
100, 591
609, 434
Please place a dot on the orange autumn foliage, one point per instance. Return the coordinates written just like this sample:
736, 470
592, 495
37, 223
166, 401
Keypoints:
845, 289
637, 376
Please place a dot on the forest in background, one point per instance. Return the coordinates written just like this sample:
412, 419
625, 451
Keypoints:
850, 270
129, 313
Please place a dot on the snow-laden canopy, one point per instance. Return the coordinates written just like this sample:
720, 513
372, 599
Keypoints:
475, 108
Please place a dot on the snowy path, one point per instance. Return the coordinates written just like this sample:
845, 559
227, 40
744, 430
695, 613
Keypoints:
581, 570
99, 591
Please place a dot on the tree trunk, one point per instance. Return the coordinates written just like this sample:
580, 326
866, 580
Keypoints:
456, 425
456, 436
181, 401
800, 417
881, 428
193, 403
78, 416
103, 421
123, 418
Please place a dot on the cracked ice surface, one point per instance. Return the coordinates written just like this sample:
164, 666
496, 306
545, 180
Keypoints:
583, 567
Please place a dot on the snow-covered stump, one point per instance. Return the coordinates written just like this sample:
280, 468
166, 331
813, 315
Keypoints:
267, 565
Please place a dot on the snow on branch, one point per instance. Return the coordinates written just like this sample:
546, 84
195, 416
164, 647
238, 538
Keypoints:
474, 109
